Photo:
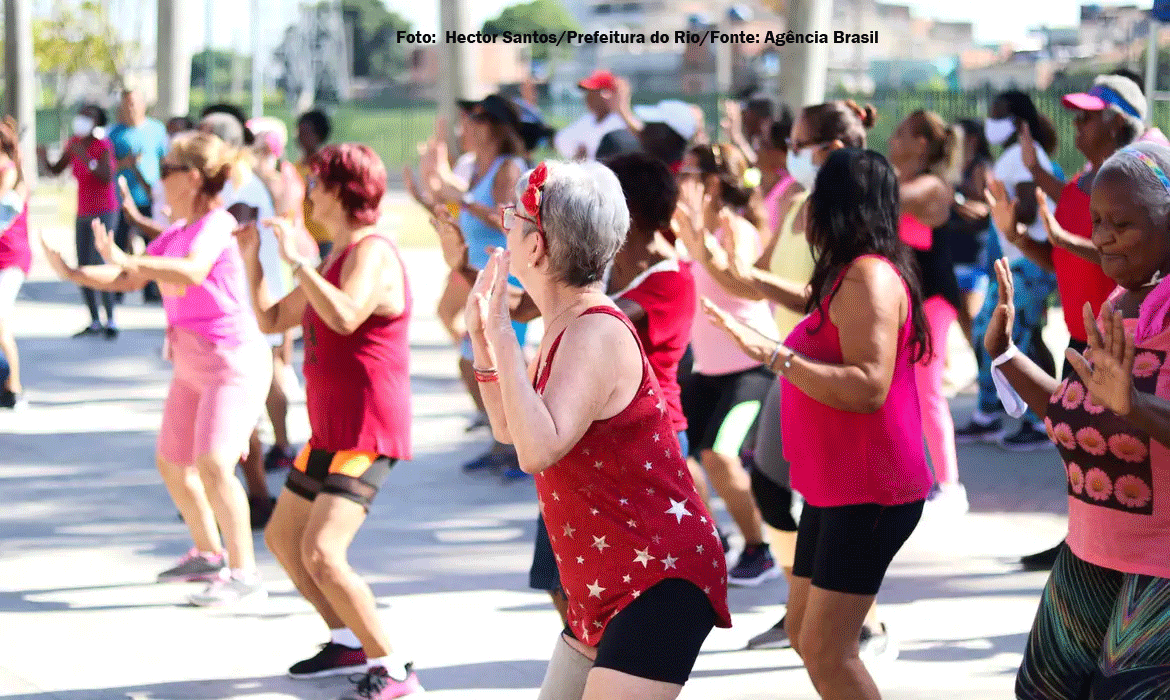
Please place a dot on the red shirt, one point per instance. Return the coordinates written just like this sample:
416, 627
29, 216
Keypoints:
94, 196
666, 292
1077, 279
357, 386
623, 513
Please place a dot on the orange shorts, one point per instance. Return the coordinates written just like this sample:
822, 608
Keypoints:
353, 474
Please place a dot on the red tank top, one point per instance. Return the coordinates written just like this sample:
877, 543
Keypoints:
357, 386
623, 513
1077, 279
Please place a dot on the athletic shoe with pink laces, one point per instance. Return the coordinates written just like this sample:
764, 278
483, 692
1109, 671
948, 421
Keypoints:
376, 684
195, 566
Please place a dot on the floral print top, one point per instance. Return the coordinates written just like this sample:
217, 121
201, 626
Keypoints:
1118, 478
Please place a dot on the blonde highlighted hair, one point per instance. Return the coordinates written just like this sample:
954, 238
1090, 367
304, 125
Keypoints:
207, 154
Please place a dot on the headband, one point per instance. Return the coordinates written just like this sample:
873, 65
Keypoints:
1151, 164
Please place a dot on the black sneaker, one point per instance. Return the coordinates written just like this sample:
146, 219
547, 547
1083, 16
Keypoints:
774, 638
333, 660
754, 567
980, 432
12, 400
1026, 439
726, 543
261, 511
874, 646
90, 331
1041, 561
488, 461
111, 332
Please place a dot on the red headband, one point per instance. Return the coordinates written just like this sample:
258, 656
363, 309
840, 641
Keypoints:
534, 194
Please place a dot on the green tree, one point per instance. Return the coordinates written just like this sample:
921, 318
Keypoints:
376, 50
547, 16
222, 63
78, 39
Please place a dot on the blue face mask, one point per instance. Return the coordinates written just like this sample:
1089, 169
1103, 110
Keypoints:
801, 168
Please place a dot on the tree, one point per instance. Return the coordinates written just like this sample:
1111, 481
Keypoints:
222, 64
548, 16
75, 40
376, 50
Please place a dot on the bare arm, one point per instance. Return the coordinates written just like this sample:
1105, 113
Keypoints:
1151, 414
791, 295
271, 317
928, 199
1034, 385
346, 308
1046, 182
148, 226
107, 278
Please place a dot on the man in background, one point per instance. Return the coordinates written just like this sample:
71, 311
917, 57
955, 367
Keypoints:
313, 129
579, 140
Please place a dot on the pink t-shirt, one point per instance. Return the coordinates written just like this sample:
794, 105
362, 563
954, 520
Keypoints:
772, 201
220, 309
94, 196
715, 351
1118, 478
841, 458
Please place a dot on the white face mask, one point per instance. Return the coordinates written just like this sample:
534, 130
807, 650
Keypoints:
999, 131
82, 125
801, 168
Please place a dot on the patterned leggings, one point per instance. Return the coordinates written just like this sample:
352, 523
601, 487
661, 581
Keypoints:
1100, 634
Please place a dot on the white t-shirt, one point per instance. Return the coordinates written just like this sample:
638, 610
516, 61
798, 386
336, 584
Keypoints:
1011, 171
253, 193
586, 131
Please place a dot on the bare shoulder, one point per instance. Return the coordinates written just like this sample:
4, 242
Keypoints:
872, 281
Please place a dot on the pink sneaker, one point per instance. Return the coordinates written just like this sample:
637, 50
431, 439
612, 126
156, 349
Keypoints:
376, 684
195, 567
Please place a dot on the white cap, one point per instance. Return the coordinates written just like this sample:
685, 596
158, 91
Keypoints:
676, 114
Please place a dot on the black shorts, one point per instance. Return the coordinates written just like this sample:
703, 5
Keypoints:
544, 574
659, 635
775, 502
848, 548
721, 409
354, 475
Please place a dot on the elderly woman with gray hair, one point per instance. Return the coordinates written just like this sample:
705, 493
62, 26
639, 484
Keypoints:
1105, 612
639, 557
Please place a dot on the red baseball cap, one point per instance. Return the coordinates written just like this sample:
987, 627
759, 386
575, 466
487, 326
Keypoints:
599, 80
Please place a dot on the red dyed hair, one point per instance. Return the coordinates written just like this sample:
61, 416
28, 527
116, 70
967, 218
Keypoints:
358, 175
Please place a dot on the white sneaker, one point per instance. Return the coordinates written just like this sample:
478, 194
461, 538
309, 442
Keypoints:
948, 499
230, 589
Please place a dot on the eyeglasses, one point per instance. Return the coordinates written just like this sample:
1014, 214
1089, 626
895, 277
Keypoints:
508, 216
166, 169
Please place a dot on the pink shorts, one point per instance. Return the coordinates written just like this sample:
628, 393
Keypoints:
216, 397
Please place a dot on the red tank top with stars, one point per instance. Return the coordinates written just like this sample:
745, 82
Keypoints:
622, 510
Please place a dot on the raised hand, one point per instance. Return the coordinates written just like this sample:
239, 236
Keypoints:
60, 267
286, 237
498, 322
732, 121
1109, 378
998, 336
412, 188
451, 239
1057, 236
1028, 147
477, 309
1003, 211
688, 216
248, 239
754, 344
103, 240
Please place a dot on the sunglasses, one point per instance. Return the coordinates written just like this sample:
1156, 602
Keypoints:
166, 169
508, 216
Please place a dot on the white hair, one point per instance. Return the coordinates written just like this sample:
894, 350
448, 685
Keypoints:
1152, 193
585, 219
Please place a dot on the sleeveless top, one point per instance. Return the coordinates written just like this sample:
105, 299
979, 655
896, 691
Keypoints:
1118, 478
357, 386
772, 201
716, 353
622, 511
936, 264
480, 235
883, 460
1078, 280
792, 259
14, 248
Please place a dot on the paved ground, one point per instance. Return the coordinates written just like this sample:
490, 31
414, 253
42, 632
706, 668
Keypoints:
87, 524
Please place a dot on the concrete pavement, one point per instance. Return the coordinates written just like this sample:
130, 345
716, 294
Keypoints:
86, 524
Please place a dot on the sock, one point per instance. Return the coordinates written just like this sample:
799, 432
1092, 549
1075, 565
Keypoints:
394, 664
245, 575
345, 637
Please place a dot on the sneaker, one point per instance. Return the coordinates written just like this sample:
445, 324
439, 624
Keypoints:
260, 511
230, 589
480, 421
774, 638
1026, 439
980, 432
376, 684
277, 459
877, 646
488, 461
948, 499
12, 400
754, 567
194, 567
333, 660
726, 543
514, 474
111, 332
90, 330
1041, 561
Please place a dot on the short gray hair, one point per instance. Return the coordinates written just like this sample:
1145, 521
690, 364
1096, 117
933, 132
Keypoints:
1152, 193
585, 219
1131, 93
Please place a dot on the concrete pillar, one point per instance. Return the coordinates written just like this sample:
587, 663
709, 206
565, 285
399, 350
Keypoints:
1152, 67
173, 61
805, 66
20, 78
456, 77
258, 64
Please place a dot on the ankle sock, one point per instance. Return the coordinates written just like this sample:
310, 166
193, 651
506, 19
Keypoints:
345, 637
394, 664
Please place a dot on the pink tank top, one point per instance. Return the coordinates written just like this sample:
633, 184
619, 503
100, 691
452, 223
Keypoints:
883, 460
